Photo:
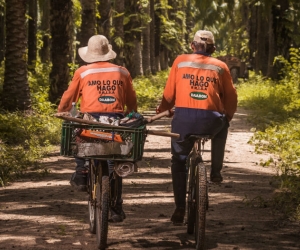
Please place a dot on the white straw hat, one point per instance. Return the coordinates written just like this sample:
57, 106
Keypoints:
98, 50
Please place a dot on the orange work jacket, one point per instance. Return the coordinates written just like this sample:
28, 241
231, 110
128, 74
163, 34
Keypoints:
200, 82
102, 87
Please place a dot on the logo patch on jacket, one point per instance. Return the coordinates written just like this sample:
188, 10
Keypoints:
107, 99
198, 95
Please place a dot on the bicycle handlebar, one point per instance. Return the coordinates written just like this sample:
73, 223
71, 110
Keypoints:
65, 116
158, 116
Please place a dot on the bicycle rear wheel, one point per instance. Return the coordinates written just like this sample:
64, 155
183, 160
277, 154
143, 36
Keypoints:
92, 179
191, 211
102, 209
201, 205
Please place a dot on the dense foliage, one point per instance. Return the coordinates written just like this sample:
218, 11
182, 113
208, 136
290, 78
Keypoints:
149, 89
26, 137
275, 108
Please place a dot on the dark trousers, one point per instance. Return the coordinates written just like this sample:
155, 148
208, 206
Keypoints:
81, 167
80, 163
187, 122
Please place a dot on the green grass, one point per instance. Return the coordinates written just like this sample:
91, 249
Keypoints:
275, 109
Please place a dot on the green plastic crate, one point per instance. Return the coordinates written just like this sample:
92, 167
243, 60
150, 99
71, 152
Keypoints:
71, 142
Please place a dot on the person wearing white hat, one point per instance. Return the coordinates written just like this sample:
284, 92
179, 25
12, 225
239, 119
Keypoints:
104, 89
201, 89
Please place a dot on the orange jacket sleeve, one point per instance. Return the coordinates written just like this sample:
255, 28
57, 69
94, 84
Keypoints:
169, 94
229, 97
131, 100
71, 94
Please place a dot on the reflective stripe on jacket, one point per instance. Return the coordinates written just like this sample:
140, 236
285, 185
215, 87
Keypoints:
102, 87
200, 82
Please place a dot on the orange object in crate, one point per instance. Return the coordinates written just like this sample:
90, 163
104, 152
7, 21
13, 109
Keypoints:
101, 135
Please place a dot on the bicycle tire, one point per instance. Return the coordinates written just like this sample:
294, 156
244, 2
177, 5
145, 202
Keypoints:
92, 201
201, 205
191, 212
102, 208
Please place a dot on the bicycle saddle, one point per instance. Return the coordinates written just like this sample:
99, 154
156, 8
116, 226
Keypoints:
196, 137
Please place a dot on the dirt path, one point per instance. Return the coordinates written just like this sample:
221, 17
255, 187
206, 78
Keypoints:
43, 212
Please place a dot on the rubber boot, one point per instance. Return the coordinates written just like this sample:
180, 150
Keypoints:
179, 190
79, 177
217, 157
116, 211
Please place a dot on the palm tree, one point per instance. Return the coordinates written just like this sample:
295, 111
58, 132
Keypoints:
2, 31
104, 22
61, 47
152, 38
146, 42
88, 24
45, 29
118, 36
32, 37
132, 36
16, 93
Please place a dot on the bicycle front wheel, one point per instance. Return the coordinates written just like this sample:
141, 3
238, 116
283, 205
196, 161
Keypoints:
102, 211
92, 179
191, 204
201, 205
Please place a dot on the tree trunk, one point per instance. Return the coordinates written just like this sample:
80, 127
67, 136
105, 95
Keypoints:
16, 93
152, 38
178, 25
61, 33
138, 64
2, 33
118, 36
271, 45
45, 28
258, 39
189, 21
132, 50
157, 34
146, 44
164, 58
88, 25
282, 38
32, 36
104, 22
252, 36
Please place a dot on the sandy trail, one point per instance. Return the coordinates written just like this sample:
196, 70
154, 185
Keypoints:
43, 212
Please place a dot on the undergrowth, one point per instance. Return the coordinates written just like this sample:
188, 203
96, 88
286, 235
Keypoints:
25, 138
275, 109
149, 90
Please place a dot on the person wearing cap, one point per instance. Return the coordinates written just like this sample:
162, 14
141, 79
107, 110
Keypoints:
205, 99
105, 89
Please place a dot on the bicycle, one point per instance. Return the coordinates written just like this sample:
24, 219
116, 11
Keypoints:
197, 190
101, 196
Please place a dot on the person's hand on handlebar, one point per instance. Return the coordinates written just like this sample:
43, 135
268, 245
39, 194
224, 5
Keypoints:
171, 112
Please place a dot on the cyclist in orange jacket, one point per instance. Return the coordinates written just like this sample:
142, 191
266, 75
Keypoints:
201, 89
105, 89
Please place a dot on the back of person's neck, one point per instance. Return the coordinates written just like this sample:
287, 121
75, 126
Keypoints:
202, 53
